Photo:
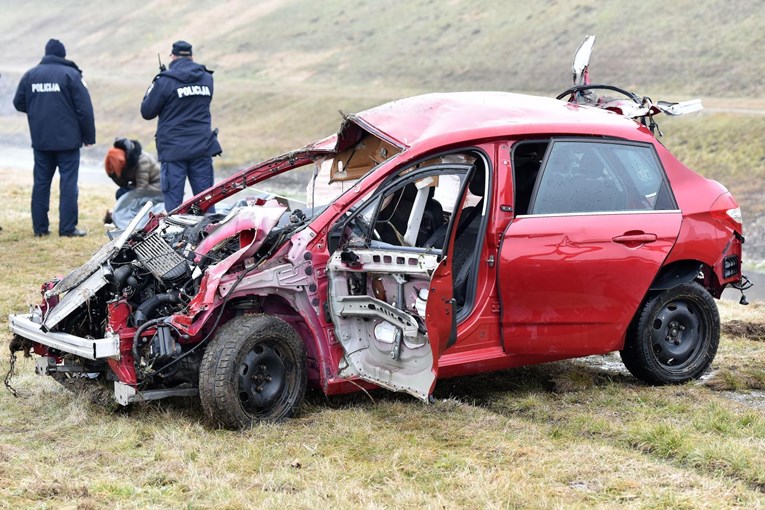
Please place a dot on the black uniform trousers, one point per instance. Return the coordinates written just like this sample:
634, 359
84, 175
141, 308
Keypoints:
68, 163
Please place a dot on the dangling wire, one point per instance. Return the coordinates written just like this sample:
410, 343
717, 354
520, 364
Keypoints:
10, 374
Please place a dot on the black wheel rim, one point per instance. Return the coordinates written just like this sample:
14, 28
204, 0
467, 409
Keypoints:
263, 378
677, 334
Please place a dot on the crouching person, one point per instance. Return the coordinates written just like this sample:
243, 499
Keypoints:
131, 168
137, 175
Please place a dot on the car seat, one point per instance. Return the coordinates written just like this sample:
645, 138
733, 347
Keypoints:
466, 245
392, 220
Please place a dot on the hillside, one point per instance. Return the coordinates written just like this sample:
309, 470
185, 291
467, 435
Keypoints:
284, 67
419, 45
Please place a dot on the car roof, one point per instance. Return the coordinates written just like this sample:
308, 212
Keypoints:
440, 118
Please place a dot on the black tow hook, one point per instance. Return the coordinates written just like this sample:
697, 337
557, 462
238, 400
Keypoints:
741, 286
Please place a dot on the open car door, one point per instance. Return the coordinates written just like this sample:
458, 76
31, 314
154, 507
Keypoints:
396, 347
391, 280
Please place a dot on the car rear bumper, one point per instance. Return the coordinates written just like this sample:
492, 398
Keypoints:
90, 348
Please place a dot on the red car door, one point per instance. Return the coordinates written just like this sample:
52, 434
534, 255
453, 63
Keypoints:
574, 270
391, 277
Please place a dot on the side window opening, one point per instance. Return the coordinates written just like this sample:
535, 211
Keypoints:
527, 160
421, 208
410, 215
414, 208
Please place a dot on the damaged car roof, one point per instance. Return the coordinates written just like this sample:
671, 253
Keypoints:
430, 118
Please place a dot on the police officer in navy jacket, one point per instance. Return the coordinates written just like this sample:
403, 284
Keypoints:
60, 116
181, 97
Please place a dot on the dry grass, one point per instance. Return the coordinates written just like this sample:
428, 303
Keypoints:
497, 441
569, 434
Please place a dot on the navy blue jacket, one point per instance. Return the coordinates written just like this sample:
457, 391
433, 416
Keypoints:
181, 97
57, 104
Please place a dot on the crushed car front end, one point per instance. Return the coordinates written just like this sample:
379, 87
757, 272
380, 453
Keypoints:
140, 311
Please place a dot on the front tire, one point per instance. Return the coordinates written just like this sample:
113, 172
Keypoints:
674, 337
253, 370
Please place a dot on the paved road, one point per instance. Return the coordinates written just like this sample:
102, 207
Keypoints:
756, 293
91, 164
738, 111
91, 171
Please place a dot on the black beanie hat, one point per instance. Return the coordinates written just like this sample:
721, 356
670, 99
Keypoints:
181, 49
55, 47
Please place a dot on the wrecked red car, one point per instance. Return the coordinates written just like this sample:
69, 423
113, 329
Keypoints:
477, 231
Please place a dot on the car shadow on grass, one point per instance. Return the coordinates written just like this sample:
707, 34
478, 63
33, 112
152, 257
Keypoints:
485, 390
551, 378
560, 377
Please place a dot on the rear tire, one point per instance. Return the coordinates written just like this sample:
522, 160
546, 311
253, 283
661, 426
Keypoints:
253, 370
674, 337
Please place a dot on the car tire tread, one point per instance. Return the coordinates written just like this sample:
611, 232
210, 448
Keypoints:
218, 374
638, 355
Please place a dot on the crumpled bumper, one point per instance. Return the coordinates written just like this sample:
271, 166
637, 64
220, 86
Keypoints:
91, 348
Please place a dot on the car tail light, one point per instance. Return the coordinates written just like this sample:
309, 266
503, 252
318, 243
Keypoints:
727, 210
735, 214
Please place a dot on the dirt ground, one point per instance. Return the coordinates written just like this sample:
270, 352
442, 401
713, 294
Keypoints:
754, 331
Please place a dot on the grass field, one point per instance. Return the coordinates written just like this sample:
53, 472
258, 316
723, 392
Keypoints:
570, 434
